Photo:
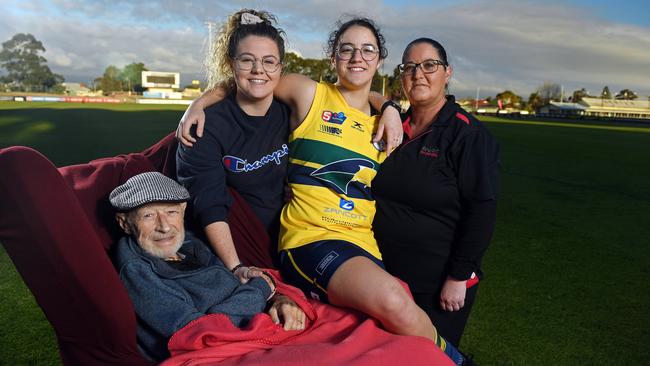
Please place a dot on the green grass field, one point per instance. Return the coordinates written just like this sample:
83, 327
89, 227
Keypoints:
565, 273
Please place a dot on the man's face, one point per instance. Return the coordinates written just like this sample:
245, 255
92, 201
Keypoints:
157, 227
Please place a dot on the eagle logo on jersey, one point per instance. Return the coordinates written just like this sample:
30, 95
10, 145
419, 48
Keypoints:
340, 175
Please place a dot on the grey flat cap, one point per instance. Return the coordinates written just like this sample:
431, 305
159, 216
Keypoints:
146, 188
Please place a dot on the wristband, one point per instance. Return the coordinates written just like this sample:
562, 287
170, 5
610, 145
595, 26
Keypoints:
270, 278
273, 286
235, 268
390, 103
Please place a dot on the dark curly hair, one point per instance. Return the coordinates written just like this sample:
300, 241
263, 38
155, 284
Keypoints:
341, 27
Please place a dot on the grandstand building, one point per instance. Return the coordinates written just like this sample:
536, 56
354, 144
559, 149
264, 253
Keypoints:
598, 108
562, 109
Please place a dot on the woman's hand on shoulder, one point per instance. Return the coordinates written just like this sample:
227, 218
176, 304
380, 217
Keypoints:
285, 311
452, 296
194, 115
390, 129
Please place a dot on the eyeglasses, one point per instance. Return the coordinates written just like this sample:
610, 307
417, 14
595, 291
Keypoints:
427, 67
346, 52
269, 63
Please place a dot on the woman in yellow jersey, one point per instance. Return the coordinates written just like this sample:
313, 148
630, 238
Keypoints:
327, 247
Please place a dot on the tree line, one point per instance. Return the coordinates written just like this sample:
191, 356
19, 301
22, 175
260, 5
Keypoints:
115, 79
25, 69
551, 92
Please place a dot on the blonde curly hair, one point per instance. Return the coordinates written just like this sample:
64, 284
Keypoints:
222, 51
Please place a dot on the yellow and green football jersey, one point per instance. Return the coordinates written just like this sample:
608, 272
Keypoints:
332, 162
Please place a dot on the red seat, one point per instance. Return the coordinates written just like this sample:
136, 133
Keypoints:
57, 225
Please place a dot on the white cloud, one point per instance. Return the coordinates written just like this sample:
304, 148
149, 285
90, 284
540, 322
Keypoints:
59, 58
520, 44
81, 47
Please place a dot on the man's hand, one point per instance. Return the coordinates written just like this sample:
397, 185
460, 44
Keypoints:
390, 128
452, 296
284, 310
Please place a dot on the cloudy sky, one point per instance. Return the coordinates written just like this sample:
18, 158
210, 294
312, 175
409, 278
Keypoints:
493, 45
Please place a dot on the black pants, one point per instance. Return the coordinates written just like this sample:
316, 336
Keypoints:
450, 324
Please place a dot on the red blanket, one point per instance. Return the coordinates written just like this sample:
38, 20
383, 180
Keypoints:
333, 336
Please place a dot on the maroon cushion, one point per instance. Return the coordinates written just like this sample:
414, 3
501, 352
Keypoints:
56, 225
58, 252
254, 247
94, 181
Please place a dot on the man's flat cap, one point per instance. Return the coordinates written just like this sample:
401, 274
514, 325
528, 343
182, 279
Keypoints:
146, 188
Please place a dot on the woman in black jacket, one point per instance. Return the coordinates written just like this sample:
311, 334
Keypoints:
436, 194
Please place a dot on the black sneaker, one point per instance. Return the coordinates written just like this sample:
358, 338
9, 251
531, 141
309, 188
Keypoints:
469, 360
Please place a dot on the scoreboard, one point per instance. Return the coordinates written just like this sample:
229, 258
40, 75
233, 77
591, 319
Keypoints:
160, 79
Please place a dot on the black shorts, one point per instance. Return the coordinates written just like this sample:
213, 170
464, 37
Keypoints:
310, 267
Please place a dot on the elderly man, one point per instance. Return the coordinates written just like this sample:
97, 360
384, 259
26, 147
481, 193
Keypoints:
172, 277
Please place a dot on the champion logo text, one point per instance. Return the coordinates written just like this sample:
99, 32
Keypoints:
239, 165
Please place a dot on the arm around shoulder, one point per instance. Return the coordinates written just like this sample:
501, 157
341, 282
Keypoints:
297, 91
390, 122
194, 115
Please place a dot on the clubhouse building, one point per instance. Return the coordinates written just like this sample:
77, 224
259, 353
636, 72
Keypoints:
597, 108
